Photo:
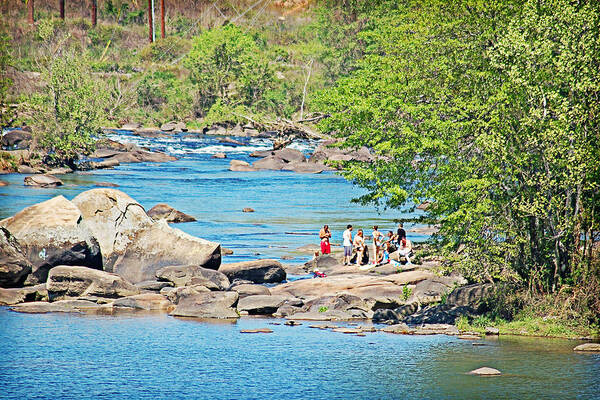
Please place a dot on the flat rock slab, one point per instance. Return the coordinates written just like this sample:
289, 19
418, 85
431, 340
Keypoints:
595, 347
261, 304
257, 271
469, 337
41, 180
191, 275
145, 301
485, 371
401, 329
207, 305
63, 306
169, 214
260, 330
348, 330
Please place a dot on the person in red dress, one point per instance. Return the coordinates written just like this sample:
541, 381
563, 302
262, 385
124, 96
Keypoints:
325, 235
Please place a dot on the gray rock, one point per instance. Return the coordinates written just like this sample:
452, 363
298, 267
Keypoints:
69, 282
592, 347
63, 306
487, 371
175, 294
269, 162
111, 163
240, 166
153, 285
470, 295
194, 275
289, 155
490, 330
442, 314
219, 155
260, 304
231, 141
353, 307
169, 214
41, 180
261, 153
257, 271
20, 295
26, 169
173, 127
322, 263
402, 329
208, 305
16, 139
304, 167
245, 290
51, 233
145, 301
14, 266
137, 246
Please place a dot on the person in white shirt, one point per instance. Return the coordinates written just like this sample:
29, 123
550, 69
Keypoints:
347, 235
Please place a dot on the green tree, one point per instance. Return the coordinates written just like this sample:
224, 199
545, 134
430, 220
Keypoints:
7, 113
490, 111
228, 65
71, 112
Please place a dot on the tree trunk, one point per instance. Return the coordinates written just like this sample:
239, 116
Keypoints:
94, 12
162, 19
61, 7
30, 12
150, 21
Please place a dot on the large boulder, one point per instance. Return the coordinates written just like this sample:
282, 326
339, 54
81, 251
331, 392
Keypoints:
304, 167
136, 156
41, 180
241, 166
114, 218
16, 139
133, 244
68, 282
173, 126
269, 162
19, 295
169, 214
336, 307
63, 306
441, 314
207, 305
326, 151
470, 295
191, 275
144, 301
257, 271
176, 293
51, 233
158, 246
289, 155
14, 266
261, 304
250, 289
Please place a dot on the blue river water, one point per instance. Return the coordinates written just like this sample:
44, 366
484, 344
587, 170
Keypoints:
290, 208
55, 356
150, 356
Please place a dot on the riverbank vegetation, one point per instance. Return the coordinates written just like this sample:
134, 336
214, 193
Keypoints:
487, 111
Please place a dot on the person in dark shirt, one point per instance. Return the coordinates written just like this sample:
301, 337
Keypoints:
401, 233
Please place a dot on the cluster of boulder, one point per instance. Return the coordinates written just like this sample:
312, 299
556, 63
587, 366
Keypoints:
102, 252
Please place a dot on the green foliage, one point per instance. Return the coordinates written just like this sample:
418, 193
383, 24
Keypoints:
167, 49
70, 112
7, 113
323, 309
490, 111
227, 64
406, 292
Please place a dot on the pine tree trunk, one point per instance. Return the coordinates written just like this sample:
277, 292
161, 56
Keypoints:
30, 12
162, 19
150, 21
94, 12
61, 6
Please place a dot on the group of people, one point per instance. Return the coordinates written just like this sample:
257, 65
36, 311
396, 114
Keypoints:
355, 248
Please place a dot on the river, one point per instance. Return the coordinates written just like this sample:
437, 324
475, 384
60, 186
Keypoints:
157, 356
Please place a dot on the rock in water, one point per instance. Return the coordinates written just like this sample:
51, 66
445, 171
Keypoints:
51, 233
219, 155
133, 244
261, 304
41, 180
248, 209
144, 301
14, 266
207, 305
240, 166
588, 347
173, 126
270, 162
485, 371
114, 218
169, 214
72, 282
258, 271
159, 245
191, 275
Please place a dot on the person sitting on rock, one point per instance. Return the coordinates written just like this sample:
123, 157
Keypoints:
325, 235
405, 249
359, 245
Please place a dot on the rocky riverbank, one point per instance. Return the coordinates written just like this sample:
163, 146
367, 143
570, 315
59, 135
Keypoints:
102, 252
